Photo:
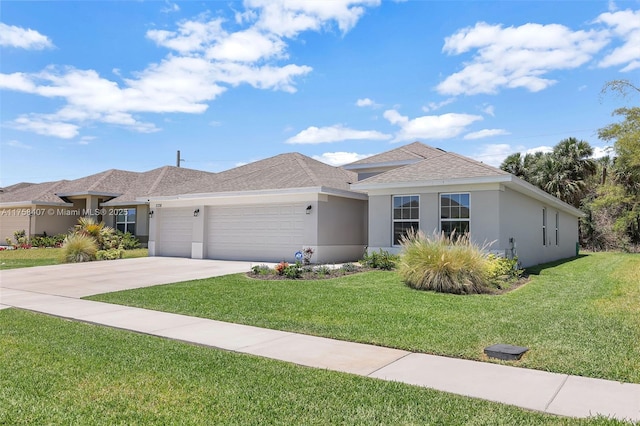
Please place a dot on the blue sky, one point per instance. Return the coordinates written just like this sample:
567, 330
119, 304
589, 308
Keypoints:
90, 86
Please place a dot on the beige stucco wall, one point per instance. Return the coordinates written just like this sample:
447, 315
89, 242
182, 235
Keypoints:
335, 227
497, 214
341, 229
521, 219
11, 220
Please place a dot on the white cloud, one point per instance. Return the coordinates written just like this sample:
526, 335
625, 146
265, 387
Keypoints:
485, 133
287, 18
46, 126
13, 36
432, 106
366, 102
340, 158
443, 126
336, 133
516, 56
488, 109
204, 61
18, 144
170, 7
86, 140
493, 154
599, 152
624, 24
543, 148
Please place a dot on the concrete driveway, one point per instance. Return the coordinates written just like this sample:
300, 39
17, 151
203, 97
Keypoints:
85, 279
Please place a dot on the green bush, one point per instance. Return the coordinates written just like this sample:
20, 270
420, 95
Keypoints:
127, 241
443, 264
348, 267
111, 254
322, 270
79, 248
261, 270
381, 259
502, 268
47, 241
293, 271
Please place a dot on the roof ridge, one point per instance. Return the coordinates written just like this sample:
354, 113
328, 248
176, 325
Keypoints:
479, 163
156, 182
104, 176
301, 161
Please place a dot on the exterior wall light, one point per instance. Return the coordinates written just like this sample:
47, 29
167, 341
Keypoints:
150, 214
309, 209
196, 212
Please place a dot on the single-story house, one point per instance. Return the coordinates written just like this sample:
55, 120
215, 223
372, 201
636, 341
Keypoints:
116, 197
270, 209
264, 211
417, 186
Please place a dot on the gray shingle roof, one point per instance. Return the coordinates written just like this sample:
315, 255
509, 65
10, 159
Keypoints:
413, 151
292, 170
445, 166
129, 185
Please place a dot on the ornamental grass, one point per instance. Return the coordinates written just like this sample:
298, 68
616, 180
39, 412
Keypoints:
446, 264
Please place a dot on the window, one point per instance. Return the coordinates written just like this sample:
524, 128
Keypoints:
406, 215
126, 221
454, 213
544, 226
557, 227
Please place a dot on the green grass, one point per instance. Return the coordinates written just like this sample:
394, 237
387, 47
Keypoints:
10, 259
580, 317
61, 372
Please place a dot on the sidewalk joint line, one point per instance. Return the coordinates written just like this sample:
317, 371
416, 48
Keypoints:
555, 394
389, 363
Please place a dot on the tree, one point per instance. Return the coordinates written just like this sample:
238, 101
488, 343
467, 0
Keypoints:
562, 172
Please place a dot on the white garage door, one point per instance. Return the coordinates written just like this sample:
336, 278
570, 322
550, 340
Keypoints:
265, 232
174, 232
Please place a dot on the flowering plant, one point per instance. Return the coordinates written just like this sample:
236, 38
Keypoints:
307, 253
280, 267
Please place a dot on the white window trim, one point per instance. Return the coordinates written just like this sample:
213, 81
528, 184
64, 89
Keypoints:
393, 221
545, 235
126, 221
557, 228
440, 220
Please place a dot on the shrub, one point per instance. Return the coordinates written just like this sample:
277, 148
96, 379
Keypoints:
348, 267
48, 241
110, 254
127, 241
381, 259
79, 248
322, 270
502, 268
280, 267
293, 271
444, 264
307, 253
261, 270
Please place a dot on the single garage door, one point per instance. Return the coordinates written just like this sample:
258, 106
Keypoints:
264, 232
174, 232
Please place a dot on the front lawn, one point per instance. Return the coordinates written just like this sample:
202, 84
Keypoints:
61, 372
10, 259
580, 317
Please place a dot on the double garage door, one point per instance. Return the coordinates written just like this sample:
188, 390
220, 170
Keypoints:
260, 232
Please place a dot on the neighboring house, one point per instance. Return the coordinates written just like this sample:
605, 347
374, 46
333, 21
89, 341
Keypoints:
264, 211
270, 209
116, 197
417, 186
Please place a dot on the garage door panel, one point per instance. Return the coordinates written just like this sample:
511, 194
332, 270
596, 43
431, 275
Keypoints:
175, 232
255, 232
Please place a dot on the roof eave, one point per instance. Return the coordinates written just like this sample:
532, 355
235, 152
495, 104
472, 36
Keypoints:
286, 191
81, 193
364, 186
12, 204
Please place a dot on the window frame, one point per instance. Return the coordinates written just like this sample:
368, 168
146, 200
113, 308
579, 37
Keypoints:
401, 220
458, 219
544, 227
126, 221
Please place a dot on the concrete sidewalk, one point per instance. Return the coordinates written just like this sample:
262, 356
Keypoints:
532, 389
